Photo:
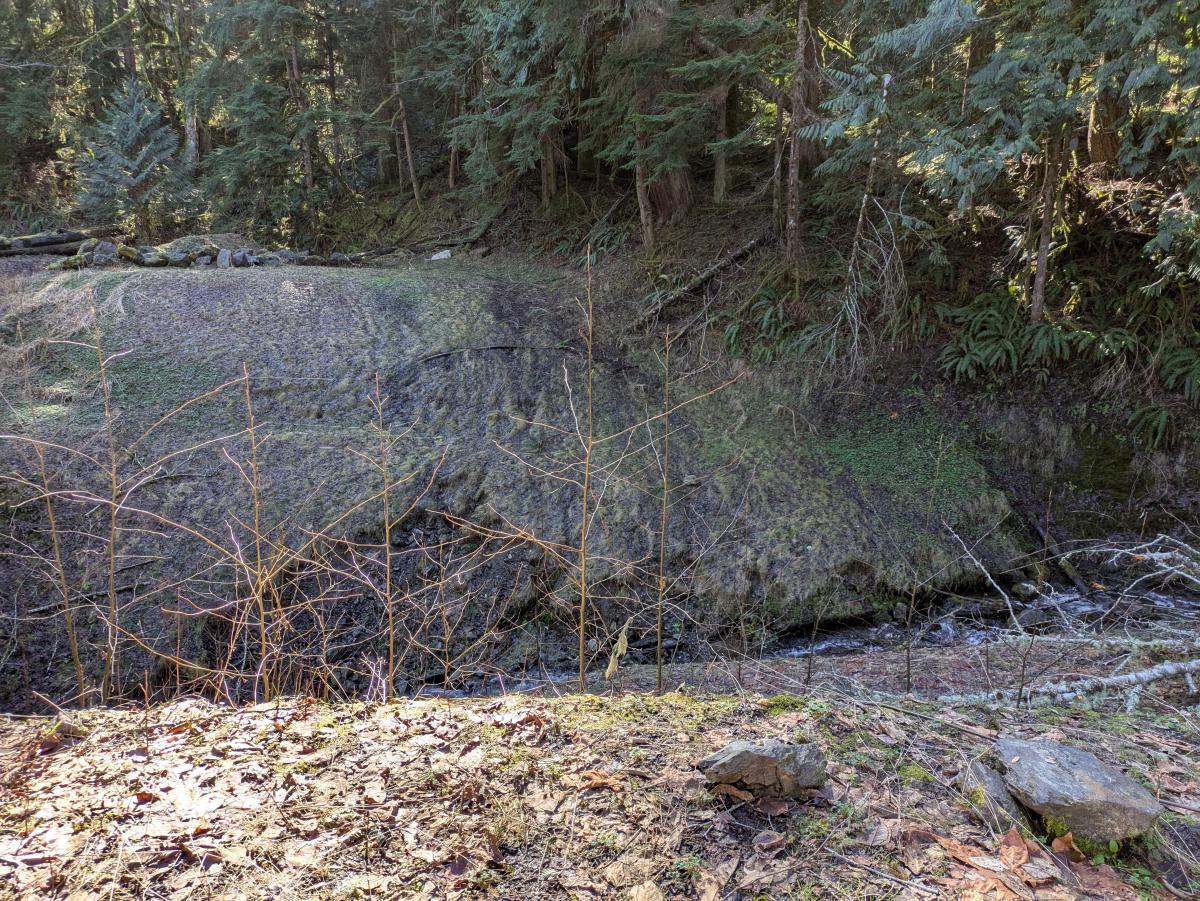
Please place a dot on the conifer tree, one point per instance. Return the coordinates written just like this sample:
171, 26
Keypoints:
127, 170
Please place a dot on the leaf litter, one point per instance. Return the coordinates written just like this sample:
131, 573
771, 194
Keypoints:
524, 797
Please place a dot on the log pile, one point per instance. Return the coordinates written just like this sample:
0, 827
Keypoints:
61, 242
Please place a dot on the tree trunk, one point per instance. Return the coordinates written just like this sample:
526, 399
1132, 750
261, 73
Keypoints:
549, 168
720, 164
306, 150
412, 166
1037, 303
645, 211
191, 140
800, 118
1102, 133
126, 33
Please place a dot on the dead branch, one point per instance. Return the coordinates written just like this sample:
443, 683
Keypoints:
1064, 692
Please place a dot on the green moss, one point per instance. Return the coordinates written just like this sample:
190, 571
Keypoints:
914, 772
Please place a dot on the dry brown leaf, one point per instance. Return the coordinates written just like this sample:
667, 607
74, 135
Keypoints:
1064, 846
1013, 851
647, 891
769, 843
596, 779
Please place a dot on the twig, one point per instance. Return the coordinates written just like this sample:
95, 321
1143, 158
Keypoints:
883, 874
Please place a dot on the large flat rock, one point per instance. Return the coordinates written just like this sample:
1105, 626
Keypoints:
1074, 791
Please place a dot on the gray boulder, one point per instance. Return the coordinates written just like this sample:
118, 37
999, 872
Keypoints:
984, 788
224, 258
339, 259
1025, 591
132, 254
105, 252
770, 768
202, 260
178, 259
239, 258
1073, 791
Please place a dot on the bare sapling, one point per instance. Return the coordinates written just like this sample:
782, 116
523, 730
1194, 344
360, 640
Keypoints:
585, 496
663, 514
56, 554
110, 678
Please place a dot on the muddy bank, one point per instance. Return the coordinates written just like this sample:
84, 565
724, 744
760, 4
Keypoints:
776, 516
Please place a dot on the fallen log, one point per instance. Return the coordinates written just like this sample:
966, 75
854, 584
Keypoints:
1064, 692
66, 249
36, 242
699, 280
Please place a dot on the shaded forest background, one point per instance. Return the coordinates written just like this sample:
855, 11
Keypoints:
1014, 182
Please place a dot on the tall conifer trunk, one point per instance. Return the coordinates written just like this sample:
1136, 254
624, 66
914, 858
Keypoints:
720, 162
800, 117
1037, 303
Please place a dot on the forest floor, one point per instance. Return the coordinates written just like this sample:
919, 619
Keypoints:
570, 796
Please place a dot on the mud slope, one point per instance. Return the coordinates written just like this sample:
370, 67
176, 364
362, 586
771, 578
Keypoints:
768, 519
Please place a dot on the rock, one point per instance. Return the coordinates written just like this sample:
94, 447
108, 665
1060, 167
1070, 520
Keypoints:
238, 259
105, 252
252, 260
1075, 792
202, 260
88, 245
224, 258
270, 259
770, 768
312, 259
441, 255
1033, 617
132, 254
985, 789
1025, 591
339, 259
178, 259
292, 256
154, 259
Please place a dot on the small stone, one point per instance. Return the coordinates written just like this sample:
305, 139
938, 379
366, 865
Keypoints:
984, 788
312, 259
1071, 789
768, 768
224, 258
441, 255
88, 245
105, 252
131, 254
1033, 618
270, 259
1025, 591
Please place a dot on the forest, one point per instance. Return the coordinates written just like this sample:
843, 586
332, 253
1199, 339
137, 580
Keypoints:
658, 449
1020, 178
